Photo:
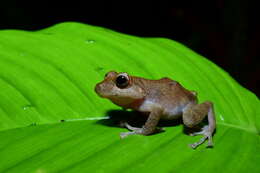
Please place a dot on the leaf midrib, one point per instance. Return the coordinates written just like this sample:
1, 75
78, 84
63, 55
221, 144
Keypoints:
252, 130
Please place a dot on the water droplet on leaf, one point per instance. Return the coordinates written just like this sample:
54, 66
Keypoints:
26, 107
90, 41
221, 117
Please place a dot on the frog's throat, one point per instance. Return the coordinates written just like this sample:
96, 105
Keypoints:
136, 104
127, 102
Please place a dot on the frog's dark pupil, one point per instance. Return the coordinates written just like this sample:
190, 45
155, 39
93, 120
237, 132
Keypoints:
121, 81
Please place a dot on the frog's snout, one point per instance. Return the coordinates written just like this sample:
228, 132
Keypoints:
98, 89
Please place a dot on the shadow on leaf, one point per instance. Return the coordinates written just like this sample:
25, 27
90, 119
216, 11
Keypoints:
118, 117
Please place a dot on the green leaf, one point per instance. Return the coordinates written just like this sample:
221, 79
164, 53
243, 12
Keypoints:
49, 75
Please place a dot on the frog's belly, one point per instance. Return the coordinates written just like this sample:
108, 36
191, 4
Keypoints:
170, 113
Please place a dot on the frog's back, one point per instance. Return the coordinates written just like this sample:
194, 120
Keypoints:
167, 90
168, 94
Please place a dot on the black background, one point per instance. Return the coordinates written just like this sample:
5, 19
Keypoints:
224, 31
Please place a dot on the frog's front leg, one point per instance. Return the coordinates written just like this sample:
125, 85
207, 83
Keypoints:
129, 127
149, 126
194, 114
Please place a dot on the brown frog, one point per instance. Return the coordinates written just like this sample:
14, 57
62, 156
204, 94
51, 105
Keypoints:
162, 99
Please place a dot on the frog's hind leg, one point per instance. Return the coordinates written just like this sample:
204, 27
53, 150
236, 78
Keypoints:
193, 114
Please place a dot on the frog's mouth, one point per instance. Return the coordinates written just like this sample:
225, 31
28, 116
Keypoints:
120, 101
126, 102
103, 94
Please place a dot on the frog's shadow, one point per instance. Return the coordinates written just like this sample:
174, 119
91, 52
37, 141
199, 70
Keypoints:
137, 119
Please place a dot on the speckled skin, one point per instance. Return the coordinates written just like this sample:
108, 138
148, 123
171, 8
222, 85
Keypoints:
162, 99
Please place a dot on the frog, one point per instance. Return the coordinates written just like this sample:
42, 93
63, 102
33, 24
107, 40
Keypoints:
161, 99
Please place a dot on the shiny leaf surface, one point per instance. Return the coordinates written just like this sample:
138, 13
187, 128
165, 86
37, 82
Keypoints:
51, 120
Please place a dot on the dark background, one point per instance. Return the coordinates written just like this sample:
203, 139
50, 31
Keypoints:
224, 31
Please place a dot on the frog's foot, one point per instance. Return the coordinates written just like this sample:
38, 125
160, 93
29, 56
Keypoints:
202, 132
134, 132
206, 135
137, 130
129, 127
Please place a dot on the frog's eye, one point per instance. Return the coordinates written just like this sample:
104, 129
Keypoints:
122, 81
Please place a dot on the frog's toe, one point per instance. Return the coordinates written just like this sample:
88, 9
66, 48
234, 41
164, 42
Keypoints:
125, 134
210, 142
196, 144
207, 135
193, 146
